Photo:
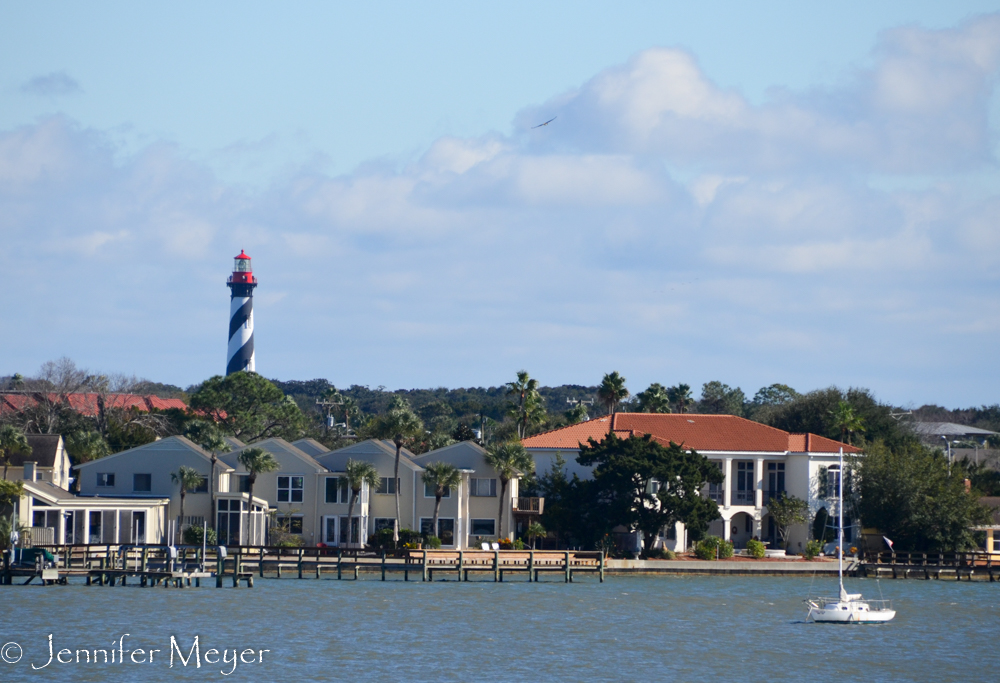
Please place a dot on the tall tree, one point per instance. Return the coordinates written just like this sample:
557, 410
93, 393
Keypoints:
908, 495
612, 391
527, 406
847, 421
443, 477
84, 447
399, 423
358, 473
654, 399
12, 442
721, 399
680, 397
646, 486
208, 436
508, 459
249, 407
255, 461
189, 478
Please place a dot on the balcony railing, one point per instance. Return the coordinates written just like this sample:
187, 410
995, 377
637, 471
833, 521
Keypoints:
744, 498
777, 494
718, 495
529, 506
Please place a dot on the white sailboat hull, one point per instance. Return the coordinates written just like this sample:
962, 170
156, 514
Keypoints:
832, 611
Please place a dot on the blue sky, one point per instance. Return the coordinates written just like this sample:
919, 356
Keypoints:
798, 193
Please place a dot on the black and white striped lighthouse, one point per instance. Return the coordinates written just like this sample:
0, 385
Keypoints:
241, 284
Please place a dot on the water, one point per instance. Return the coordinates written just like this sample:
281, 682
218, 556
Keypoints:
651, 628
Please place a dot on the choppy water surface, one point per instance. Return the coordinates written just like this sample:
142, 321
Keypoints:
652, 628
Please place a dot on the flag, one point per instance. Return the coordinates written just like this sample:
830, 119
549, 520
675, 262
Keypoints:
888, 542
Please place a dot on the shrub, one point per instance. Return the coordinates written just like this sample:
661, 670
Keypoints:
813, 549
432, 542
711, 547
707, 548
382, 540
661, 554
755, 549
193, 534
410, 536
518, 544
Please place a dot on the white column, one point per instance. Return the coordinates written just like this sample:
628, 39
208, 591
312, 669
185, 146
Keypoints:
727, 491
86, 525
726, 530
758, 482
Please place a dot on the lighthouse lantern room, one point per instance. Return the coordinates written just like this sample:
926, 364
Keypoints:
241, 285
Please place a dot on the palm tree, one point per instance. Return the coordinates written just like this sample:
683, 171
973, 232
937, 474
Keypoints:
358, 474
442, 477
680, 396
612, 391
255, 461
528, 405
399, 423
188, 478
84, 447
508, 459
535, 530
208, 436
847, 421
12, 442
654, 399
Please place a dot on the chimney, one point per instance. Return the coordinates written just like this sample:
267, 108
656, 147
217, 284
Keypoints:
29, 470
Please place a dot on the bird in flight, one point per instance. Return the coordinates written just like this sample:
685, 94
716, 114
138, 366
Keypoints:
545, 124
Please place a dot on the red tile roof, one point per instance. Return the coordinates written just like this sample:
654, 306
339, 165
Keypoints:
700, 432
85, 404
814, 443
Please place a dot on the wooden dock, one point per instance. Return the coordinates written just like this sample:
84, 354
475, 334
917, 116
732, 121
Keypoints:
105, 565
972, 566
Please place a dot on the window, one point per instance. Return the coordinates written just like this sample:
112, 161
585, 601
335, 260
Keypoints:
483, 487
717, 492
355, 521
201, 487
387, 485
335, 484
295, 524
243, 483
290, 489
484, 527
745, 484
142, 483
429, 491
384, 523
775, 480
446, 529
105, 480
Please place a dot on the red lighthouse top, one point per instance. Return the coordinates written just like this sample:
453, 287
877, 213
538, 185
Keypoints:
242, 271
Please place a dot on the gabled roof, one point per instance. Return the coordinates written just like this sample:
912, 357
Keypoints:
88, 403
160, 448
465, 455
311, 446
371, 450
275, 446
44, 448
700, 432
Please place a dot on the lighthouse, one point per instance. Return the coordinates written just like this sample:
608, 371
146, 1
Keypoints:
241, 284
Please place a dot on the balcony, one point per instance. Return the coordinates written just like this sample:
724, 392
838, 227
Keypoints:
744, 498
529, 506
716, 494
777, 494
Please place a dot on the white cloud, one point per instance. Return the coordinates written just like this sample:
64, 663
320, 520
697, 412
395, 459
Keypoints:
568, 249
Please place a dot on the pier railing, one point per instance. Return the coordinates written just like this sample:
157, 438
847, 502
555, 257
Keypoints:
906, 564
154, 564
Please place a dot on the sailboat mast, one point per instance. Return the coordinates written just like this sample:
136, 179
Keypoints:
840, 524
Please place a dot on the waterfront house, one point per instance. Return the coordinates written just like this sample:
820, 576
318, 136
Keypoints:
758, 463
145, 472
53, 515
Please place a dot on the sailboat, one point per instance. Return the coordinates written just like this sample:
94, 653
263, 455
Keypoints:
847, 608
